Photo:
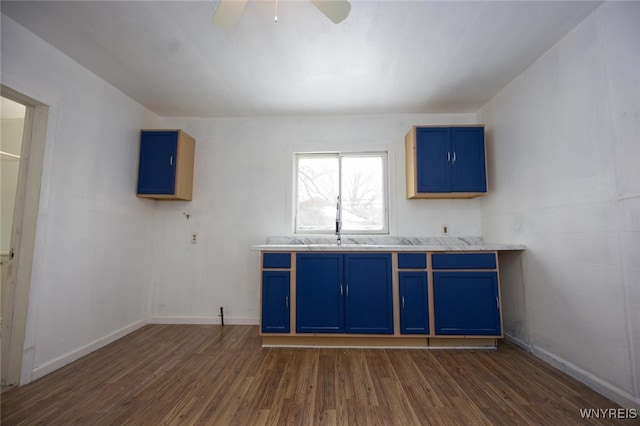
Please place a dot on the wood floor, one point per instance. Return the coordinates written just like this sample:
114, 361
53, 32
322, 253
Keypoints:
213, 375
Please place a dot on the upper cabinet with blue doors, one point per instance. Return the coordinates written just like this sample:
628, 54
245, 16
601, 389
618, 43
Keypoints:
166, 165
446, 162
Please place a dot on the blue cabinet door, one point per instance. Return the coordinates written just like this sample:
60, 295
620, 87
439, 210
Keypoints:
466, 303
450, 159
157, 168
414, 303
275, 301
319, 293
433, 154
368, 293
468, 171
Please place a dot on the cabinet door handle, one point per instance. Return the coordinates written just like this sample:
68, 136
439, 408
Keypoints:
497, 303
448, 155
454, 157
341, 289
402, 302
347, 290
287, 301
171, 161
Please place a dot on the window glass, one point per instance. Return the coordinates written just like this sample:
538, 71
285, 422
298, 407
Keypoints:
357, 179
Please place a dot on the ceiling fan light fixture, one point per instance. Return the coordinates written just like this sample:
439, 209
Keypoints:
336, 10
228, 12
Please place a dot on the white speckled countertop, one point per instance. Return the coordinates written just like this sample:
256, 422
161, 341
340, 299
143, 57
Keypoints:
382, 243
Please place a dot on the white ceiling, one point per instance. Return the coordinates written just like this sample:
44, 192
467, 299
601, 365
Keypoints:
386, 57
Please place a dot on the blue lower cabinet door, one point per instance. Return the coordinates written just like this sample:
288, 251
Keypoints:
276, 316
319, 293
466, 303
414, 303
368, 293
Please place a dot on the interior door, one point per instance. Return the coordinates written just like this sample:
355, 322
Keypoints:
13, 121
18, 260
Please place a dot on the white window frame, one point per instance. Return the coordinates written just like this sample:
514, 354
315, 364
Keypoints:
384, 155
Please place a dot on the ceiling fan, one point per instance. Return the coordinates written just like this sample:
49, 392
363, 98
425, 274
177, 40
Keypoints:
229, 11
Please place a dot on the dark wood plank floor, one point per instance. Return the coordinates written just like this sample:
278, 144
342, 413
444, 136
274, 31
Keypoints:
213, 375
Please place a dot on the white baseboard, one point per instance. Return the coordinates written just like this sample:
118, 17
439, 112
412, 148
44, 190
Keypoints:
50, 366
617, 395
204, 320
518, 342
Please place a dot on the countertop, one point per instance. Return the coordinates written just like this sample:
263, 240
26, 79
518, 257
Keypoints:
382, 244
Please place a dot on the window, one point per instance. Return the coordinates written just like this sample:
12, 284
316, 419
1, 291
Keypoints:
358, 179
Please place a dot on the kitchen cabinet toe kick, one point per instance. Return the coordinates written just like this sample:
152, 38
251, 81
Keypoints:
377, 342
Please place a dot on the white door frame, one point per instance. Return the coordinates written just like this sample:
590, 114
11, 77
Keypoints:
15, 305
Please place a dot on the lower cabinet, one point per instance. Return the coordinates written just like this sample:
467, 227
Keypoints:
442, 296
466, 303
414, 302
275, 301
344, 293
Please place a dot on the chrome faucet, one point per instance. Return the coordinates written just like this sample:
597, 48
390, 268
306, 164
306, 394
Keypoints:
338, 222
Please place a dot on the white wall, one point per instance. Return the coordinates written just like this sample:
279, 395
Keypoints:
243, 194
565, 142
90, 279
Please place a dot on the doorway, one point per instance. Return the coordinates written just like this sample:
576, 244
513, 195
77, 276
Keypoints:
12, 115
22, 147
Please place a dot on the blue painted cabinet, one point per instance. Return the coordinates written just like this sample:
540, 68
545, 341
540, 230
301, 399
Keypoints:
319, 293
368, 293
414, 302
466, 303
337, 293
446, 162
275, 301
165, 169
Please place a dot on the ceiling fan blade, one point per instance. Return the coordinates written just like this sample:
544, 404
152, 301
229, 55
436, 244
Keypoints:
336, 10
228, 13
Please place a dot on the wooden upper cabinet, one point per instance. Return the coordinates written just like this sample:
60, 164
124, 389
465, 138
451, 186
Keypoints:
166, 165
445, 162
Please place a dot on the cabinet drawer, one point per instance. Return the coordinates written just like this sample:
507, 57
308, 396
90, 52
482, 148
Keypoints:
463, 261
276, 260
412, 260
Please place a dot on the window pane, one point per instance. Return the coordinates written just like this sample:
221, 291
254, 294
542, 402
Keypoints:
363, 193
317, 193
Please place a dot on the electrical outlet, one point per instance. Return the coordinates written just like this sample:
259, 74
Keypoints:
445, 229
194, 238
